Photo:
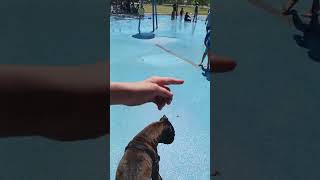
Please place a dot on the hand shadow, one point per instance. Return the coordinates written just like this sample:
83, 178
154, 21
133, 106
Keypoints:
310, 39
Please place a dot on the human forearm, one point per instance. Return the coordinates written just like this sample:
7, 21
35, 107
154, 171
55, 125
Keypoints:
66, 78
154, 89
121, 93
52, 96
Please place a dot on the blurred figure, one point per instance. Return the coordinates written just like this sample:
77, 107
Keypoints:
141, 14
314, 9
172, 15
207, 44
208, 21
309, 36
174, 11
177, 7
181, 12
187, 18
132, 8
196, 9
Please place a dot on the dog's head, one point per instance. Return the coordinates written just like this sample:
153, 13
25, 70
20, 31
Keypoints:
168, 133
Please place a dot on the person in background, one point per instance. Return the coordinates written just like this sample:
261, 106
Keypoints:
177, 7
128, 7
132, 8
207, 45
141, 14
181, 12
196, 9
187, 18
172, 15
136, 9
174, 10
314, 9
208, 21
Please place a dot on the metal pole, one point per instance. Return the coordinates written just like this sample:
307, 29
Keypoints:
153, 16
155, 7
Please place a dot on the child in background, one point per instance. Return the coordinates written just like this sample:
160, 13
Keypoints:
181, 12
141, 14
314, 9
196, 9
208, 21
187, 18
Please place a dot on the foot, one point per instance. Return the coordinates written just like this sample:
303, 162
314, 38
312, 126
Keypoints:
289, 6
310, 13
307, 14
200, 64
285, 12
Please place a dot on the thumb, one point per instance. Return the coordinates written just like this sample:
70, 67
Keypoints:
163, 92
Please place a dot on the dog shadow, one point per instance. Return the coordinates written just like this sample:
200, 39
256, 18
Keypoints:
310, 38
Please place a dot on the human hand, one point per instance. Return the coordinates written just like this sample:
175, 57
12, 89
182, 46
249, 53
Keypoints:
154, 89
157, 90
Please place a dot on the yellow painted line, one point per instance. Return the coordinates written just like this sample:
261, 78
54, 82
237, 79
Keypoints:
178, 56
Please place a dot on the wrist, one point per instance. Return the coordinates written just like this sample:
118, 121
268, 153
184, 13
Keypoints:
121, 93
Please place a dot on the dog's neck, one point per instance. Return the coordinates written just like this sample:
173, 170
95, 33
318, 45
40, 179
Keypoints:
150, 135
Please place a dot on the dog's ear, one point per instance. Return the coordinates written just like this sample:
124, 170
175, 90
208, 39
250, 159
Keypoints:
164, 118
168, 133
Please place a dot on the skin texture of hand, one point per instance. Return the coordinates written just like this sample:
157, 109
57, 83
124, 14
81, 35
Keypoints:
154, 89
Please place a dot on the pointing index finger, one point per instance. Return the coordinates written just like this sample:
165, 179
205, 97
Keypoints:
167, 81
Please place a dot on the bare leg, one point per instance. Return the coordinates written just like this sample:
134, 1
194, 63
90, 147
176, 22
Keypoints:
203, 56
139, 24
314, 9
289, 6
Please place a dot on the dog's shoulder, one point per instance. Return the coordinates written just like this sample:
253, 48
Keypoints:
134, 165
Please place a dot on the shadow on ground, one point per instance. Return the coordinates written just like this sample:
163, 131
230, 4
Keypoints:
206, 73
310, 39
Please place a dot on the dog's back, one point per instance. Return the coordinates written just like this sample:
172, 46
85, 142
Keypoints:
134, 165
141, 160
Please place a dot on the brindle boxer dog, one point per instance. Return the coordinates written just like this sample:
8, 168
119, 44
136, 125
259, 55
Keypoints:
141, 160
